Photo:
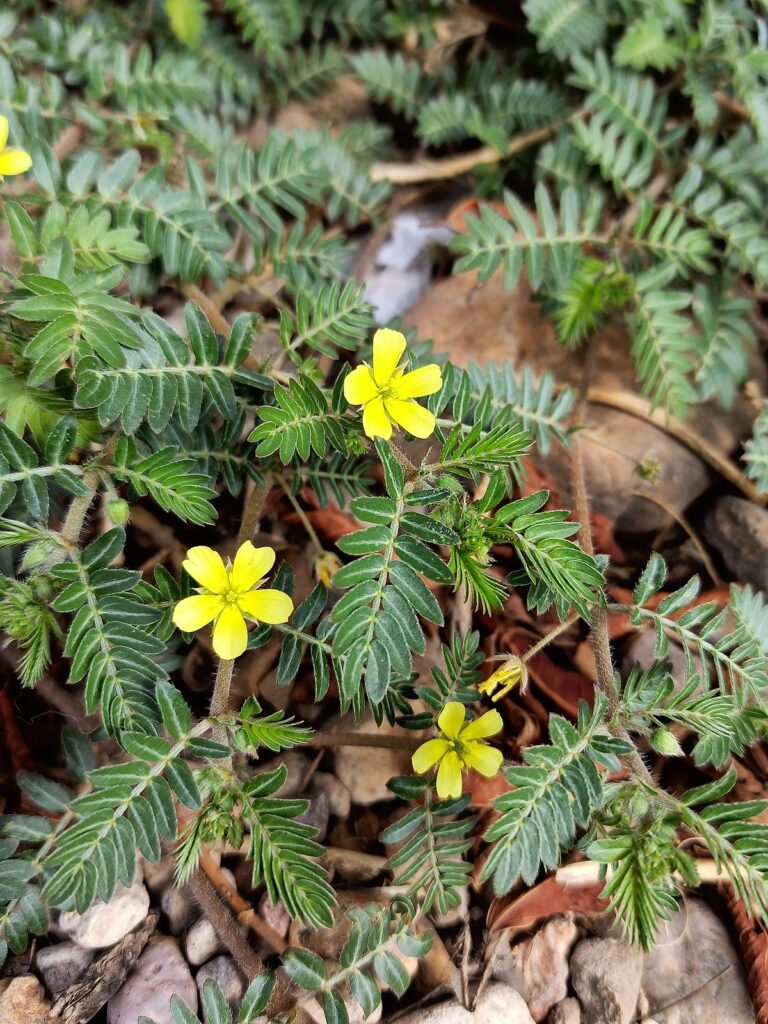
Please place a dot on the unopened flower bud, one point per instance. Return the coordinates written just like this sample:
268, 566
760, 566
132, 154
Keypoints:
118, 511
665, 742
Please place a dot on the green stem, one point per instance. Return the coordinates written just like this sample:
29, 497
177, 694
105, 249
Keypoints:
304, 518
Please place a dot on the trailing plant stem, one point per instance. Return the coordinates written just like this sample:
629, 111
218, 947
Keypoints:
336, 738
253, 509
605, 680
220, 698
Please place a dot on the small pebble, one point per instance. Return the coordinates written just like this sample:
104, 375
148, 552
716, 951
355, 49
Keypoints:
224, 972
160, 973
62, 964
180, 907
202, 942
104, 924
23, 1001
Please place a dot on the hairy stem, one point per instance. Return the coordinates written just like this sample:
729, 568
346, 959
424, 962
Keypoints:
224, 924
242, 909
220, 698
336, 738
605, 680
550, 636
253, 509
75, 517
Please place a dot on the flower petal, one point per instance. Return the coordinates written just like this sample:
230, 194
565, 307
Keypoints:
375, 420
197, 611
251, 564
484, 759
266, 605
449, 776
451, 720
205, 565
411, 416
426, 380
230, 634
388, 348
486, 725
359, 386
4, 129
428, 754
14, 161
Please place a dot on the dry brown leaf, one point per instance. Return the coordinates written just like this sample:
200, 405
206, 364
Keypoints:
544, 900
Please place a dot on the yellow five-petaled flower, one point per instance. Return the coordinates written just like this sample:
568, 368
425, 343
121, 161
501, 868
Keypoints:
386, 392
461, 746
228, 596
12, 161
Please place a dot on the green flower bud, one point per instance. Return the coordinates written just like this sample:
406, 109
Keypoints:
665, 742
39, 553
118, 511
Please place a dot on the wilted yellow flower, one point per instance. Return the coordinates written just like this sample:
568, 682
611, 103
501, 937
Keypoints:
12, 161
461, 746
326, 564
386, 392
228, 595
504, 679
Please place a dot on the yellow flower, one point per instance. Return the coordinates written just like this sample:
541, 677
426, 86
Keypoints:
12, 161
326, 565
461, 746
511, 673
386, 392
228, 595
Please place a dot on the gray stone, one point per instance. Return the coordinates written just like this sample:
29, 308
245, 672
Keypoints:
318, 813
364, 771
202, 942
605, 974
568, 1011
158, 875
223, 971
498, 1004
23, 1001
739, 530
695, 972
104, 924
618, 449
180, 907
160, 973
275, 915
538, 966
339, 802
62, 965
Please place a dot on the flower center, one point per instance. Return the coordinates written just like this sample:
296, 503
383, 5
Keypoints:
459, 748
231, 597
